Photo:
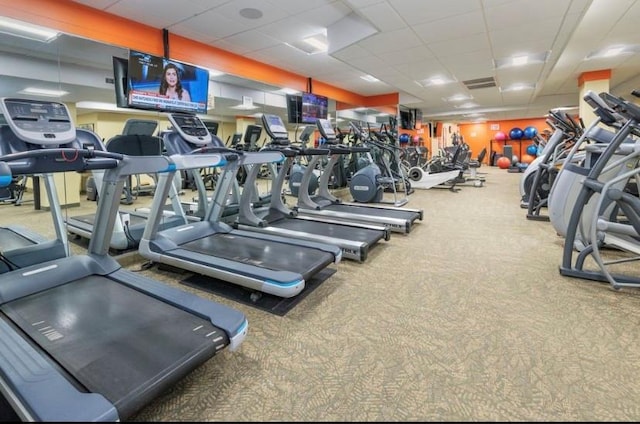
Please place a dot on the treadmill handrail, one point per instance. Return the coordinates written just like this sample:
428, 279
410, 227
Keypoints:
87, 158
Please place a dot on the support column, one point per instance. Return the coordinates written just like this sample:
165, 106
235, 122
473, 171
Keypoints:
596, 81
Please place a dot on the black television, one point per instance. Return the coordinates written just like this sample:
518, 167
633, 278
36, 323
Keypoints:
120, 80
406, 119
145, 74
417, 118
212, 126
294, 108
314, 107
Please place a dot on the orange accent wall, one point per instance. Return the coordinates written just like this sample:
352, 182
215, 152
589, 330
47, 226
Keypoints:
604, 74
479, 136
78, 19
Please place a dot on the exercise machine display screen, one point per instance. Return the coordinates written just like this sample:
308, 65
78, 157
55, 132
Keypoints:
191, 128
326, 129
39, 122
276, 126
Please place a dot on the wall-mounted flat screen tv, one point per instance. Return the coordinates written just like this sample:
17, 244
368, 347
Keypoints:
406, 119
166, 85
314, 107
294, 108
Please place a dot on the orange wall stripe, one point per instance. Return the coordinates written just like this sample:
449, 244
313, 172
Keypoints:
604, 74
94, 24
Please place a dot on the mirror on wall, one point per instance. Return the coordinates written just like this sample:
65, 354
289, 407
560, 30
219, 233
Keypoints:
84, 70
372, 119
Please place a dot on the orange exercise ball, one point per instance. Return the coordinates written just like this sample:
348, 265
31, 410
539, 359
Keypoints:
503, 162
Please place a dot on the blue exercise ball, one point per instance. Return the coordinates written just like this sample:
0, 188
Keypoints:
530, 132
516, 133
532, 150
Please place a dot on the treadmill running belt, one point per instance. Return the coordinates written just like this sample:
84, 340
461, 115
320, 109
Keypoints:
263, 253
365, 235
90, 218
115, 340
10, 240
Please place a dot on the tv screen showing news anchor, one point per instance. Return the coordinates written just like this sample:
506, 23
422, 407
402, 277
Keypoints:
166, 85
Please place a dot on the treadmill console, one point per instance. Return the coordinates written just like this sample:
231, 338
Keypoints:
191, 128
326, 130
275, 127
39, 122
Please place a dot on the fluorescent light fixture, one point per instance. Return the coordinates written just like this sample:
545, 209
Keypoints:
318, 43
521, 60
518, 87
467, 105
43, 92
457, 98
436, 80
370, 78
314, 44
27, 30
612, 51
615, 51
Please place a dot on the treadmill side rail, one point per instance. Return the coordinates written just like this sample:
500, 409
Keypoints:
27, 378
232, 321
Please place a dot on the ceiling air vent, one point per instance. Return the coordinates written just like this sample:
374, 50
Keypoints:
480, 83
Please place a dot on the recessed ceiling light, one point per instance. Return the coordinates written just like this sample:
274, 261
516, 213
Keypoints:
43, 92
457, 98
370, 78
313, 44
436, 80
518, 87
520, 60
467, 105
615, 51
250, 13
612, 51
317, 42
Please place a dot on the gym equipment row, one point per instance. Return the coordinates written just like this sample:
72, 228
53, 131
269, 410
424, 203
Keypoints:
590, 177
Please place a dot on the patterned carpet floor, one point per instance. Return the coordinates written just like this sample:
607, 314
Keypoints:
466, 318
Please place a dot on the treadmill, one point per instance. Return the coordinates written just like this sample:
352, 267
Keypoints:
354, 239
81, 338
136, 140
329, 207
265, 263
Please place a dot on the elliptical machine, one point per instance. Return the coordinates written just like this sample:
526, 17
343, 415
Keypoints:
298, 168
365, 185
